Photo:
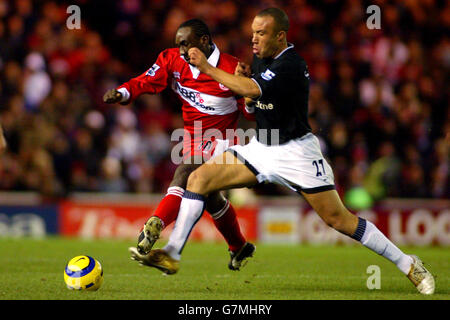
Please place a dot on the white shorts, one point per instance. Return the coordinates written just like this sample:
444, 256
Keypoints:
297, 164
218, 146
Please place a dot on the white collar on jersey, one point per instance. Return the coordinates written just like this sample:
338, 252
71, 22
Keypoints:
290, 45
213, 60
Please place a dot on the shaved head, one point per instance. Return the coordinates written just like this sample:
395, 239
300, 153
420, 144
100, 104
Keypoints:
279, 16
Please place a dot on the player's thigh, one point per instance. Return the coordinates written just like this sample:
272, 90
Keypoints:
182, 173
330, 208
222, 172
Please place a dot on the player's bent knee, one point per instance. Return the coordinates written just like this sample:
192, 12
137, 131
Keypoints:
342, 221
334, 219
181, 175
330, 208
199, 182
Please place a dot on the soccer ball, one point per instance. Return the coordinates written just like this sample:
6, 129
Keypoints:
83, 273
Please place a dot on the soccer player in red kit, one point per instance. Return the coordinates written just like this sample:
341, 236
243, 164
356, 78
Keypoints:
205, 102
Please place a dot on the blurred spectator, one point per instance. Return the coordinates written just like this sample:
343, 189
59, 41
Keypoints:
124, 140
357, 197
383, 173
378, 98
37, 83
413, 181
440, 172
3, 144
112, 180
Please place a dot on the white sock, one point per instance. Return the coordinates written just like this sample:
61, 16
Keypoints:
191, 209
369, 235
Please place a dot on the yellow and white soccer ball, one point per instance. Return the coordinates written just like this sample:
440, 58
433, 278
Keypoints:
83, 273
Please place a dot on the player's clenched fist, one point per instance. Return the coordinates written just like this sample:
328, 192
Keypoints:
197, 58
242, 69
112, 96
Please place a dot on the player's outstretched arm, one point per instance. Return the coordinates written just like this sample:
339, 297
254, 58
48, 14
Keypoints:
238, 84
112, 96
152, 81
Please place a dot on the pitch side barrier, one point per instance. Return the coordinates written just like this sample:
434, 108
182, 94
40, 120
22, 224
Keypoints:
281, 220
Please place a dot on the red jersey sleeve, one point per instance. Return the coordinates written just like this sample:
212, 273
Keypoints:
230, 66
153, 81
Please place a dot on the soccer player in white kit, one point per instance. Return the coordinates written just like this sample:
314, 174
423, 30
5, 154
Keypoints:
279, 85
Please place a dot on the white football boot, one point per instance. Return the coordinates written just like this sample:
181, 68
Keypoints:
421, 277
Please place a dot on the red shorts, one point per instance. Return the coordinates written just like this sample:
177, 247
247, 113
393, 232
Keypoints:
206, 148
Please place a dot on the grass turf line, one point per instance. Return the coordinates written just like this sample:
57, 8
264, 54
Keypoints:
33, 270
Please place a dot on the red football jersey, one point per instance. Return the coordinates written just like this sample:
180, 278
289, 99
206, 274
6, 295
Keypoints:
203, 98
206, 103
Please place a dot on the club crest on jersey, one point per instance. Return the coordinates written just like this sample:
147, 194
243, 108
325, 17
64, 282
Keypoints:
221, 86
151, 72
267, 75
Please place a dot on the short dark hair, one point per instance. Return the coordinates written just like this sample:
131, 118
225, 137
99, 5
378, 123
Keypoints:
279, 16
199, 28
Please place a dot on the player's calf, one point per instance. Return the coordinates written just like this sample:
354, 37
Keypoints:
225, 220
199, 182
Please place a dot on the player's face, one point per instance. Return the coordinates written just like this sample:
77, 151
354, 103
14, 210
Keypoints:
265, 39
186, 39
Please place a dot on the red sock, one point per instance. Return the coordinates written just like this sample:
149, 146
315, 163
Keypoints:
226, 222
169, 206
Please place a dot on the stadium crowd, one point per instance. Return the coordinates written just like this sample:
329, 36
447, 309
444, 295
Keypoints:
378, 97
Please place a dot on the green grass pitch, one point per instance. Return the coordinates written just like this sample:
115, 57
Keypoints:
33, 270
